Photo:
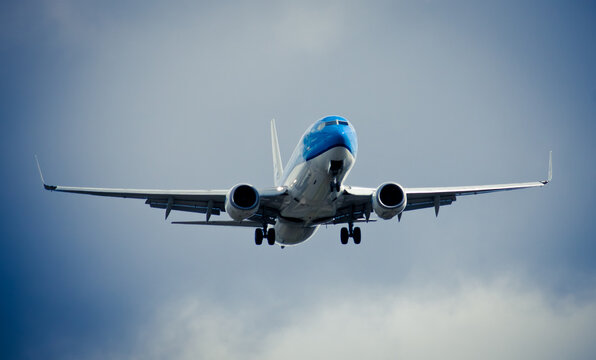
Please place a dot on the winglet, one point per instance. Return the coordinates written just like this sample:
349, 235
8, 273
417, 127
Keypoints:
277, 164
47, 187
550, 168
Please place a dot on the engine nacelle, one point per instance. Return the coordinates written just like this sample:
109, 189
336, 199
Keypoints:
242, 202
389, 200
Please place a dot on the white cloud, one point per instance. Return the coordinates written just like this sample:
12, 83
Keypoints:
488, 321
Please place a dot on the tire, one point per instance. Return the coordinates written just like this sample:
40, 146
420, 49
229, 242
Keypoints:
357, 235
271, 236
258, 236
344, 235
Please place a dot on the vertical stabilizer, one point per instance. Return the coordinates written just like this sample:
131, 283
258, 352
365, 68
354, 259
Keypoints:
277, 165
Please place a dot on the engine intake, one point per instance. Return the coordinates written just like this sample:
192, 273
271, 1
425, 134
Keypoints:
389, 200
242, 202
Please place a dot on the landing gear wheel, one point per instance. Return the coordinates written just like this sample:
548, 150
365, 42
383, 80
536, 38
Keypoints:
258, 236
344, 235
271, 236
357, 235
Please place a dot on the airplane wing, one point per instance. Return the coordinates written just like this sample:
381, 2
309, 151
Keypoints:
209, 202
356, 202
420, 198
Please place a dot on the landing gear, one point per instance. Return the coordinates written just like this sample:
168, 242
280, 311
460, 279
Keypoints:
353, 232
258, 236
271, 236
335, 185
357, 235
335, 167
344, 235
261, 234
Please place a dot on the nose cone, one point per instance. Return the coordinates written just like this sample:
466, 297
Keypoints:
343, 136
328, 135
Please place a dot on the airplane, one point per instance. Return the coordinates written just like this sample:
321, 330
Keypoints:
307, 193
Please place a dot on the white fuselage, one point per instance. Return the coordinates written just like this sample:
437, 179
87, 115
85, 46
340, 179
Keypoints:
311, 196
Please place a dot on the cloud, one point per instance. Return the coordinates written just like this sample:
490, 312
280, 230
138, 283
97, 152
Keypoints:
488, 321
155, 94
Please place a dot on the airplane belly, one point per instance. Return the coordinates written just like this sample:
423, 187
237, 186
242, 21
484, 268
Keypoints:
289, 233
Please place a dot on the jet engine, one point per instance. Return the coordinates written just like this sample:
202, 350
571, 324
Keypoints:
389, 200
242, 201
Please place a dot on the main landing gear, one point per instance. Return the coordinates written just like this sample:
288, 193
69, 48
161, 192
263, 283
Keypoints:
353, 232
264, 233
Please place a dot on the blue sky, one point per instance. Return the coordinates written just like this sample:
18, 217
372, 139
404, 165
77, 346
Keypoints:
179, 95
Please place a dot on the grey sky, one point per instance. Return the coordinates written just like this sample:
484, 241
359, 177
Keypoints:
163, 95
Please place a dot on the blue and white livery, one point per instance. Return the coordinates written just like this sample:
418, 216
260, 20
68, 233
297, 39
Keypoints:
308, 192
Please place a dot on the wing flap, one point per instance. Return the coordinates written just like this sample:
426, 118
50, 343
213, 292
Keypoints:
244, 223
428, 202
201, 207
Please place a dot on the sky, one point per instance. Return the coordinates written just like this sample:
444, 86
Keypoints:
179, 95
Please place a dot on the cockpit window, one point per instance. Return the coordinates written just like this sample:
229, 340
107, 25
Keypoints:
336, 122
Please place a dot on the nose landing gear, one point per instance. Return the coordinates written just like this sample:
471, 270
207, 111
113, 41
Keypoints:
334, 185
335, 166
